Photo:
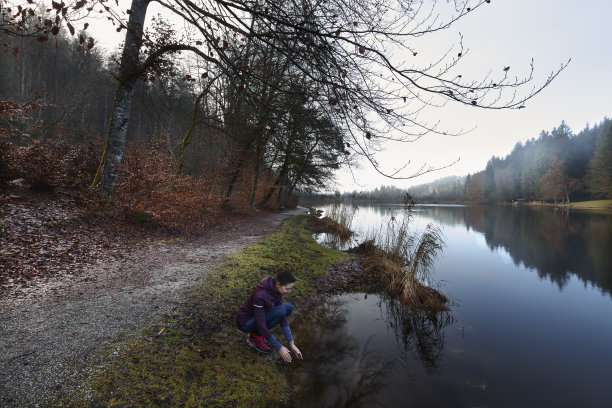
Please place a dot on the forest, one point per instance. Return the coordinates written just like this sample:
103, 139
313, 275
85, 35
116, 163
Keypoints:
181, 159
557, 167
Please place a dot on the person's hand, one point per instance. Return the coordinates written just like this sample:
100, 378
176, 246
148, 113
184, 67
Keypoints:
296, 351
285, 354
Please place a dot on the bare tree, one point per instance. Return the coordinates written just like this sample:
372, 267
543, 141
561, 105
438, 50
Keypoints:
357, 59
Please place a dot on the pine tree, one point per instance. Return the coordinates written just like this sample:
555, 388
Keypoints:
600, 166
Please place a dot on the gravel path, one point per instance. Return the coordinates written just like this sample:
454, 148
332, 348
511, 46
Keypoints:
49, 332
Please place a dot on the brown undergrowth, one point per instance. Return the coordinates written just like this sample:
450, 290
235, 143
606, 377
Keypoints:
52, 221
43, 234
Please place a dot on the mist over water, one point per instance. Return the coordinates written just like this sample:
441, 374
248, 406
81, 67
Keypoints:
530, 322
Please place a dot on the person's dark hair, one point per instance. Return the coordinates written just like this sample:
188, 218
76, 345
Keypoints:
284, 276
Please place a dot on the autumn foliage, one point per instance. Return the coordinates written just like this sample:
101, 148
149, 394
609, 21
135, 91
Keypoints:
49, 165
149, 189
6, 150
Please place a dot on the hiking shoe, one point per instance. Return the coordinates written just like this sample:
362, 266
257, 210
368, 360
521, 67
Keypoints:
258, 343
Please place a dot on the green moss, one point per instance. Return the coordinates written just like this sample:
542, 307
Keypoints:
200, 359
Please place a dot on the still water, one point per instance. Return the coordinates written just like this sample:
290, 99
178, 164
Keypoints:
530, 322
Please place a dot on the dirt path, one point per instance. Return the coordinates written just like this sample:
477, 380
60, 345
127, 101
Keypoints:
50, 332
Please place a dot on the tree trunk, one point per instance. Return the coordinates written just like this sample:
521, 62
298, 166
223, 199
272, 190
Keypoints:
257, 136
235, 174
122, 100
22, 72
276, 184
283, 171
258, 155
194, 122
279, 197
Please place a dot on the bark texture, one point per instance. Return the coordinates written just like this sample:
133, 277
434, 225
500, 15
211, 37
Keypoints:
129, 72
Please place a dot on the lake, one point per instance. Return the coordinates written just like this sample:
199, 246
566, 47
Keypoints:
530, 322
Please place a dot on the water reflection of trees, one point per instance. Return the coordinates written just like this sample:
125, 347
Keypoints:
447, 215
456, 215
418, 331
339, 371
555, 242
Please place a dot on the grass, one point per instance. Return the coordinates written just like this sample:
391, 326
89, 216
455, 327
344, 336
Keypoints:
591, 205
199, 358
596, 204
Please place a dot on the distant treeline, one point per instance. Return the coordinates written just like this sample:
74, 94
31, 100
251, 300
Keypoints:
558, 166
382, 193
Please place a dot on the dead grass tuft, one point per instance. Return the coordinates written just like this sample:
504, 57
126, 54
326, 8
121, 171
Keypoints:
401, 261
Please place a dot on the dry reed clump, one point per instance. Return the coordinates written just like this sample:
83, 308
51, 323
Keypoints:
341, 217
336, 228
338, 222
401, 262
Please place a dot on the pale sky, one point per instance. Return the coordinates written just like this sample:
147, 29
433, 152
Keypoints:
505, 33
510, 33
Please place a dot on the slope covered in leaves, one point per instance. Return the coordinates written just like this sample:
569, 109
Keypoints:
42, 235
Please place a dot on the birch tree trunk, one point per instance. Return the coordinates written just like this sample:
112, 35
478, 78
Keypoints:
122, 100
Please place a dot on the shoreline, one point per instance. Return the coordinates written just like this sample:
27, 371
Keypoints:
578, 205
200, 358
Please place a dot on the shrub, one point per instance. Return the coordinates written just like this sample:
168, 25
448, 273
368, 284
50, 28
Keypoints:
148, 184
7, 172
46, 165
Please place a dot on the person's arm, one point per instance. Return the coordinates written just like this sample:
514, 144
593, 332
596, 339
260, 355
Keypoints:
284, 323
289, 337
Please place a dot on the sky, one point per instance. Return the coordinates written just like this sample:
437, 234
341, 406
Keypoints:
503, 33
511, 33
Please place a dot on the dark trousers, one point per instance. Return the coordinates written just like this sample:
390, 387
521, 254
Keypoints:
273, 317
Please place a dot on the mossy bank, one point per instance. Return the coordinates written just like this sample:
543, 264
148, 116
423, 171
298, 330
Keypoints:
199, 358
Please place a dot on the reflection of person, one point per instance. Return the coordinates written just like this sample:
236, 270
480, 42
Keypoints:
264, 309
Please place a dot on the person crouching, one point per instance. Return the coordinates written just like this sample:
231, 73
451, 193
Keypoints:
264, 309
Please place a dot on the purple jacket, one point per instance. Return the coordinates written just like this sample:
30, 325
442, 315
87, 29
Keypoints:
264, 297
